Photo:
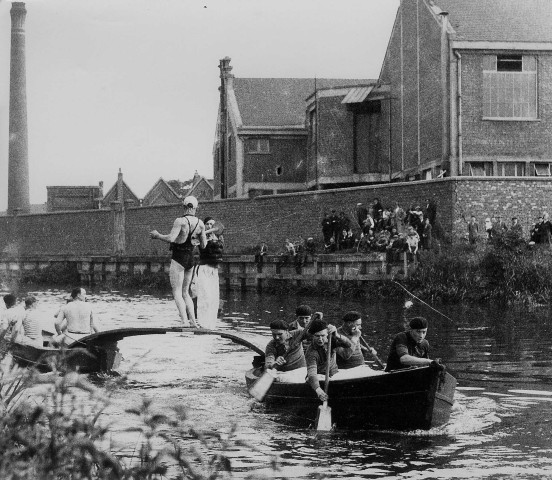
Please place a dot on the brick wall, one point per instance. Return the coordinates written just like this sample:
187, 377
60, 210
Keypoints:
274, 218
516, 139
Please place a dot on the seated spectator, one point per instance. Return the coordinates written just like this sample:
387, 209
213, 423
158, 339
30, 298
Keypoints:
382, 240
397, 245
330, 247
310, 246
288, 253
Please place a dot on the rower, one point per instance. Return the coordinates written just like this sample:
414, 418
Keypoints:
283, 352
352, 329
410, 348
303, 314
316, 354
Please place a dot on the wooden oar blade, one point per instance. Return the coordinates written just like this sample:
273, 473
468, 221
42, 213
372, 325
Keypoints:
324, 418
261, 387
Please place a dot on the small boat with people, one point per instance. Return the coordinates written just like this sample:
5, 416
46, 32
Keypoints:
407, 399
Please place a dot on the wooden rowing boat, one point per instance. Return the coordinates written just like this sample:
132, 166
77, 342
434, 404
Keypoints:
99, 352
408, 399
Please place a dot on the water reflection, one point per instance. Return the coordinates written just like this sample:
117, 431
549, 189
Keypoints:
500, 425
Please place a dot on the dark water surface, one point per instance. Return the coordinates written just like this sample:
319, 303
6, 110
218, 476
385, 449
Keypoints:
501, 425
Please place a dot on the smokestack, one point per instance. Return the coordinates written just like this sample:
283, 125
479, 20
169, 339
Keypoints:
18, 170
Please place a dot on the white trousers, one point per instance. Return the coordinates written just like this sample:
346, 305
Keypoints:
208, 295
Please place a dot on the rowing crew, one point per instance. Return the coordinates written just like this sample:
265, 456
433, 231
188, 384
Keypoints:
286, 353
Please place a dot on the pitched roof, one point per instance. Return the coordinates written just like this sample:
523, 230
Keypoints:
500, 20
280, 101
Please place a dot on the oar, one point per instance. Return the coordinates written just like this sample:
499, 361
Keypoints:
324, 418
374, 356
263, 384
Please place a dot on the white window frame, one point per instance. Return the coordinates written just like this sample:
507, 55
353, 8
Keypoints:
255, 146
506, 90
542, 170
520, 169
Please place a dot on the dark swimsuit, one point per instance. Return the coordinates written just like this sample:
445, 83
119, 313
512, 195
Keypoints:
183, 253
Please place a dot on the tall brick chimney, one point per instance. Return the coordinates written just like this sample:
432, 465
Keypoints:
18, 169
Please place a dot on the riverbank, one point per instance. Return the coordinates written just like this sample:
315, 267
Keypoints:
508, 270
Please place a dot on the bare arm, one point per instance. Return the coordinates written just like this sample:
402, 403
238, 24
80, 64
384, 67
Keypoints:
202, 234
178, 226
93, 326
60, 324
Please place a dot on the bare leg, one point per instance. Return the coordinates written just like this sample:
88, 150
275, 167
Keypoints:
176, 276
188, 274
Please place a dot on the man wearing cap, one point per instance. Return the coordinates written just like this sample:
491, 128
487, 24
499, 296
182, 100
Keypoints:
187, 232
317, 353
410, 348
284, 352
303, 314
351, 357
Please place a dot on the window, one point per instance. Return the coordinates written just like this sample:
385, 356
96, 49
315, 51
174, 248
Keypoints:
510, 86
510, 169
481, 169
258, 145
542, 169
426, 174
278, 171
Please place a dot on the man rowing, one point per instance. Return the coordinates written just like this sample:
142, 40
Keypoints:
285, 351
410, 348
317, 353
351, 357
75, 319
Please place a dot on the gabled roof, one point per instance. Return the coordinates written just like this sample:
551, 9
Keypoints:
112, 195
500, 20
280, 101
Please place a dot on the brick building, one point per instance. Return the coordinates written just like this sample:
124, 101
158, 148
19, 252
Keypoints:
470, 88
68, 197
262, 134
174, 191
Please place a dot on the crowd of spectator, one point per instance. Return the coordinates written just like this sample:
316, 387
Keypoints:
540, 232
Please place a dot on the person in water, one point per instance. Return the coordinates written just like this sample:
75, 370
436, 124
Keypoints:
187, 232
410, 348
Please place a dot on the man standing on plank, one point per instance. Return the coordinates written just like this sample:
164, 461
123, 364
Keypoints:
187, 232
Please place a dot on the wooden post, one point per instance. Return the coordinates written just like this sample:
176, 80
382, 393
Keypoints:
405, 265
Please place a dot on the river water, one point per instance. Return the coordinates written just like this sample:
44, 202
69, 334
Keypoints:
501, 426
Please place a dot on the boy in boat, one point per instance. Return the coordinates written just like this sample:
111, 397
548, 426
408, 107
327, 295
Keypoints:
351, 357
187, 232
75, 319
285, 351
27, 330
317, 352
410, 348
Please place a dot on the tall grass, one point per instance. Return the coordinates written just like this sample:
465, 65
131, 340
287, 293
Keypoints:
53, 428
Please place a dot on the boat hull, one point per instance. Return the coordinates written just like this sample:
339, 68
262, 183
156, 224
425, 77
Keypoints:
84, 360
409, 399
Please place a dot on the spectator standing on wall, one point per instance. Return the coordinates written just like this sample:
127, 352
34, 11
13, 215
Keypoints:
546, 234
327, 228
262, 252
377, 210
398, 217
427, 235
361, 214
412, 242
473, 230
334, 217
515, 228
431, 210
489, 228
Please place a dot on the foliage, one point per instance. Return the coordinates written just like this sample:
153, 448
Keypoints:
55, 274
51, 429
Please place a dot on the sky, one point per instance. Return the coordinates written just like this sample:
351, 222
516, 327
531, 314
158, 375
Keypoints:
133, 84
